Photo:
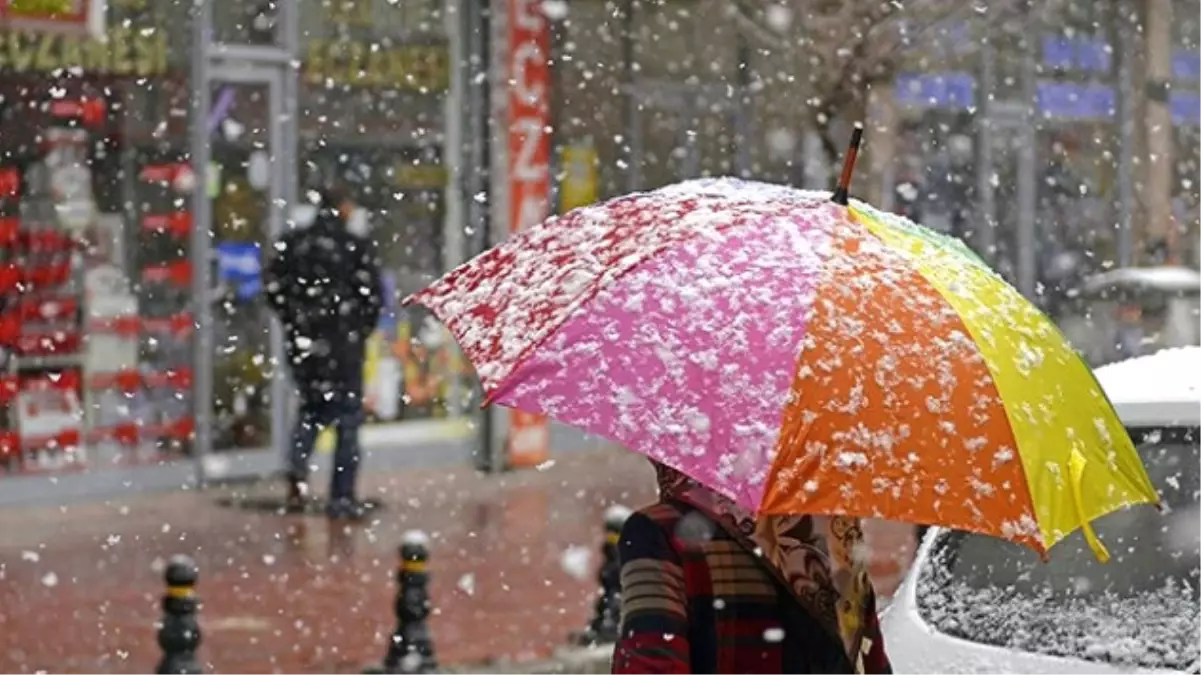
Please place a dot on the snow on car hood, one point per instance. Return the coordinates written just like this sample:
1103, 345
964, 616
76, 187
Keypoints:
1155, 629
1031, 639
1148, 390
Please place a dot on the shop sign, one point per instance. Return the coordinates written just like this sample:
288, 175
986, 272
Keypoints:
1186, 65
1074, 101
579, 186
360, 63
240, 264
528, 157
1086, 54
126, 51
79, 17
1186, 108
952, 90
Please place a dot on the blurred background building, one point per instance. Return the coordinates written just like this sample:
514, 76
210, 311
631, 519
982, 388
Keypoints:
1034, 131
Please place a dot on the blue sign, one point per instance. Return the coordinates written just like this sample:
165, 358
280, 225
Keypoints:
1186, 65
951, 90
1077, 53
1186, 108
1075, 101
240, 264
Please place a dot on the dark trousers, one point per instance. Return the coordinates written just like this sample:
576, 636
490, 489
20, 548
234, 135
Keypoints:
344, 411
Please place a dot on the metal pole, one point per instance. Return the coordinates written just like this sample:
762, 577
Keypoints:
276, 210
630, 124
476, 29
1027, 188
556, 27
742, 108
289, 151
285, 147
985, 170
201, 244
1126, 102
454, 151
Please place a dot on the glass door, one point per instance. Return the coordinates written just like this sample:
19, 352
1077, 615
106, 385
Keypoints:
246, 396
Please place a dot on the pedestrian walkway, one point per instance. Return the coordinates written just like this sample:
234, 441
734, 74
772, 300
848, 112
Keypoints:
513, 565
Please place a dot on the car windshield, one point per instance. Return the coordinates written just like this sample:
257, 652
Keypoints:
1141, 608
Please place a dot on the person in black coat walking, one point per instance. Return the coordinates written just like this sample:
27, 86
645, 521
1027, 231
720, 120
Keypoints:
324, 284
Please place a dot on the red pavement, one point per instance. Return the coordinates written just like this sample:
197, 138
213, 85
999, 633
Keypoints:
80, 586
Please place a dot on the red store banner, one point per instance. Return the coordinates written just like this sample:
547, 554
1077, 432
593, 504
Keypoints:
77, 17
528, 159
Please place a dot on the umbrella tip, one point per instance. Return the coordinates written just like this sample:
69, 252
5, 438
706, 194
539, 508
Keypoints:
842, 191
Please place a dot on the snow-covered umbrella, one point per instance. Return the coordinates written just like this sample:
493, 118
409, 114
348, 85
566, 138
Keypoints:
798, 356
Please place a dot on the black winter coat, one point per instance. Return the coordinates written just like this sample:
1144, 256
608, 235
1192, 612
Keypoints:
324, 284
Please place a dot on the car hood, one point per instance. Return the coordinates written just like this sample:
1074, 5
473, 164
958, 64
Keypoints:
914, 646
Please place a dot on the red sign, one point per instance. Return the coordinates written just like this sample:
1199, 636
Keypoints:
64, 16
528, 68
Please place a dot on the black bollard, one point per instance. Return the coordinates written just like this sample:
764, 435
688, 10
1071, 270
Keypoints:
412, 649
606, 615
179, 632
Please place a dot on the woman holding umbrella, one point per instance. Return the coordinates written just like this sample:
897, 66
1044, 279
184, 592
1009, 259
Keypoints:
805, 362
697, 598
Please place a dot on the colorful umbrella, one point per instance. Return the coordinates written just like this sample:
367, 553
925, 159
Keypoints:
798, 356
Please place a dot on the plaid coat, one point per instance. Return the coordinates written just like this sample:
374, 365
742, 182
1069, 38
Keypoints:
706, 605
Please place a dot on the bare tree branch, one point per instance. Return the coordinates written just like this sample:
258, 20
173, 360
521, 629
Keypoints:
843, 47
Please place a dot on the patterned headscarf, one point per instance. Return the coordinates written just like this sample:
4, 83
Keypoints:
822, 559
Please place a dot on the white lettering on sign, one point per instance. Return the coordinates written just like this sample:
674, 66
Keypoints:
525, 55
527, 165
527, 17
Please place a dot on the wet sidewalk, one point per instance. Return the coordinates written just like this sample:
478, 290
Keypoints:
513, 571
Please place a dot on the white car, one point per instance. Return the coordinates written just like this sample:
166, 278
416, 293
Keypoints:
977, 604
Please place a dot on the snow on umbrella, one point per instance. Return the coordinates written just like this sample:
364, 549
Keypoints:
798, 356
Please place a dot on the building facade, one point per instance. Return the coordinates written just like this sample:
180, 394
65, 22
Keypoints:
95, 147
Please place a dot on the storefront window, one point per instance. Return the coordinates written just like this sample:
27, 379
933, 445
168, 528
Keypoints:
94, 212
1076, 153
373, 85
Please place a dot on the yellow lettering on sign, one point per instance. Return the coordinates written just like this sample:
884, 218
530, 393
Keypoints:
22, 54
126, 52
119, 43
95, 57
419, 177
316, 63
72, 56
153, 54
47, 59
377, 67
41, 8
353, 63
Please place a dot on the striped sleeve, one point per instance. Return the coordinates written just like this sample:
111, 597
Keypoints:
654, 602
